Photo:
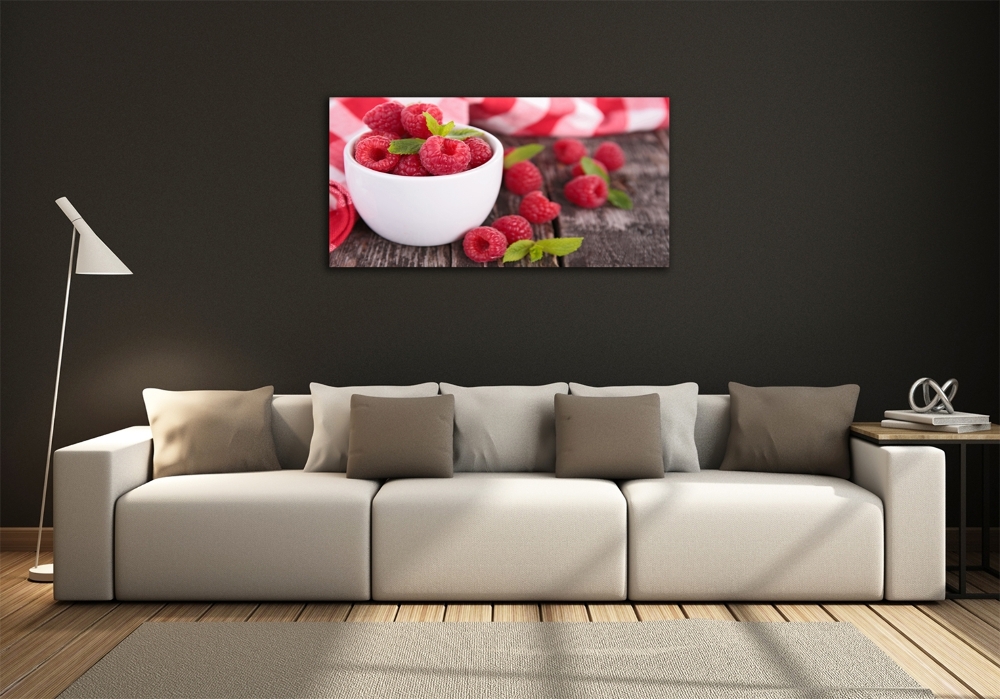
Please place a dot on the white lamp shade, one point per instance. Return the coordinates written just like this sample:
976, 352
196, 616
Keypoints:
94, 256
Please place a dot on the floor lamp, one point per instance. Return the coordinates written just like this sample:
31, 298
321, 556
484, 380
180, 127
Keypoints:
93, 257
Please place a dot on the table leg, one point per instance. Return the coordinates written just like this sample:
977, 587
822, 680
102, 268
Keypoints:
985, 543
961, 525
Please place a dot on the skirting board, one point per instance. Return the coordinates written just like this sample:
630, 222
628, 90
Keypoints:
24, 538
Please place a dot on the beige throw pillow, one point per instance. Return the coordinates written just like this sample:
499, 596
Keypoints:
617, 438
401, 437
210, 431
790, 429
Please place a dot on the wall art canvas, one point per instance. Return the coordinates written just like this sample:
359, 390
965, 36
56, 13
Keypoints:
499, 182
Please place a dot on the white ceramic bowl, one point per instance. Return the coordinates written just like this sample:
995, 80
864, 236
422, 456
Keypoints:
424, 211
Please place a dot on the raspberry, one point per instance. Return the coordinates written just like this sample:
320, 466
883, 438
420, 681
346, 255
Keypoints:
569, 150
414, 121
514, 228
444, 156
589, 191
537, 209
391, 135
384, 117
578, 169
373, 153
610, 154
481, 151
522, 177
409, 166
484, 244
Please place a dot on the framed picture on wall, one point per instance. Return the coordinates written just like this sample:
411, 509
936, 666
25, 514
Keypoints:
544, 182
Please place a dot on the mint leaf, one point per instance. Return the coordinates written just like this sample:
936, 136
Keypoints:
620, 199
536, 252
522, 153
406, 146
463, 132
590, 167
447, 128
517, 251
432, 124
560, 246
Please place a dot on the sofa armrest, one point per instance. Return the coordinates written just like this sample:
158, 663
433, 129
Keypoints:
88, 478
911, 483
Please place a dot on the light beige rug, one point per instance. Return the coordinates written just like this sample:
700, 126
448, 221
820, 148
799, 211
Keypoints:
692, 658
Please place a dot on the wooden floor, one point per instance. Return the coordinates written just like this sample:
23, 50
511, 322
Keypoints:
951, 647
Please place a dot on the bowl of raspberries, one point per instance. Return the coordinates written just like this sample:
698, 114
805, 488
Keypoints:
417, 181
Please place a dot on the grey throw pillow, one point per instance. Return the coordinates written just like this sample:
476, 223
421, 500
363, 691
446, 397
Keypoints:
331, 408
608, 437
790, 429
505, 428
210, 431
401, 437
678, 414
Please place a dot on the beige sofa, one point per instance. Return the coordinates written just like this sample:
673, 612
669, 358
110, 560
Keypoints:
298, 535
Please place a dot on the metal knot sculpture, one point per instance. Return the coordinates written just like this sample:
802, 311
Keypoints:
943, 396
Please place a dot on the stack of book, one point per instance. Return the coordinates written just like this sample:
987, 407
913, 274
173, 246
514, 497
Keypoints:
936, 422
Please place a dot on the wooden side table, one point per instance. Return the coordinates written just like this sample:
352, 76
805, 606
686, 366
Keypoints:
888, 436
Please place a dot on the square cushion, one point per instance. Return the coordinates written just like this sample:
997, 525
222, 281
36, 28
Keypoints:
608, 437
401, 437
210, 431
790, 429
678, 413
505, 428
331, 408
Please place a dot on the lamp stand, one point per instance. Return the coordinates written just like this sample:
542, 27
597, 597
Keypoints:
45, 573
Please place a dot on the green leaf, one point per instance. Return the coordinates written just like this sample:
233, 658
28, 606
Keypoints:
517, 251
522, 153
432, 124
447, 128
536, 252
463, 132
560, 246
406, 146
620, 199
591, 167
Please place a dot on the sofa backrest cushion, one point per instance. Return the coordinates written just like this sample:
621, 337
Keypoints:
711, 429
292, 425
678, 413
505, 428
331, 408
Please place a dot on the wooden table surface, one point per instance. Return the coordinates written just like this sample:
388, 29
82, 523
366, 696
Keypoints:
874, 431
612, 237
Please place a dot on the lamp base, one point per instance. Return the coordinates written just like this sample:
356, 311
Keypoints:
43, 573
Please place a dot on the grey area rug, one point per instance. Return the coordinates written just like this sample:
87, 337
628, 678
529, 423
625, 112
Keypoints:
691, 658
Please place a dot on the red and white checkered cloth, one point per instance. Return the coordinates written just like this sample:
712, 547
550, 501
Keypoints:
513, 116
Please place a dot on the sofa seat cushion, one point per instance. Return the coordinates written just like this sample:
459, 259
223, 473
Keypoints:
267, 535
498, 536
730, 535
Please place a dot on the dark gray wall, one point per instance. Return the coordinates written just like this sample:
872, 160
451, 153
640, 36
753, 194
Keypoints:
834, 203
